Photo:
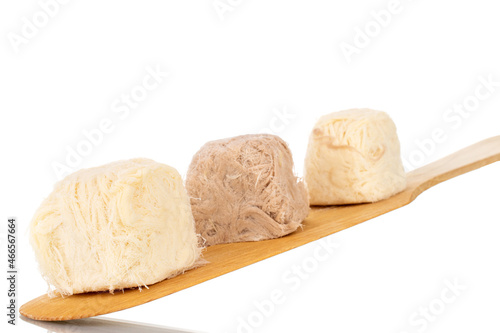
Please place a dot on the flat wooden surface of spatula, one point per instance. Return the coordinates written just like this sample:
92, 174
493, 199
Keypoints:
225, 258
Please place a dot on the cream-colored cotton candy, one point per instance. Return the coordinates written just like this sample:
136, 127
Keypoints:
124, 224
353, 157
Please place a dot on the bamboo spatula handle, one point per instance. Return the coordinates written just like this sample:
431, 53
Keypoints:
463, 161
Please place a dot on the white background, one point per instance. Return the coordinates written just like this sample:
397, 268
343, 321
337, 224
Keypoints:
228, 75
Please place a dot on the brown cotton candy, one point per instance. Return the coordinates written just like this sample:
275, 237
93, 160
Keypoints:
244, 189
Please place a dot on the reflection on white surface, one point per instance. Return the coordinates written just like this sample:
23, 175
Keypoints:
102, 325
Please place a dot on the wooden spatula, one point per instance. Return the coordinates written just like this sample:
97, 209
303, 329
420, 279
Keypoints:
226, 258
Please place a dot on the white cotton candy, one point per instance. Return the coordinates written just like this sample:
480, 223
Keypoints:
121, 225
353, 157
